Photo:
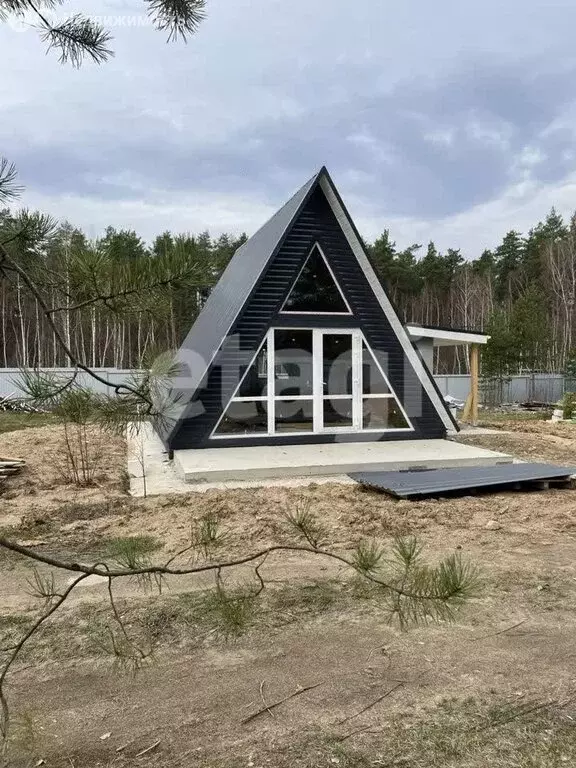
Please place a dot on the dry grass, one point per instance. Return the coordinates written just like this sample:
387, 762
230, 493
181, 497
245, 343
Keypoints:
11, 421
43, 484
184, 621
466, 733
311, 624
529, 424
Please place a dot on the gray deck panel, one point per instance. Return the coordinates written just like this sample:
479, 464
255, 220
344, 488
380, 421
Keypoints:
406, 484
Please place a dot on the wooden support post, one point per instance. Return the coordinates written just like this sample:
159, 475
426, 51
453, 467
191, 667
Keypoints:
474, 381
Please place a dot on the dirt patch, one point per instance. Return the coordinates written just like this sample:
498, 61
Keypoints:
44, 484
194, 704
54, 511
533, 426
512, 647
532, 446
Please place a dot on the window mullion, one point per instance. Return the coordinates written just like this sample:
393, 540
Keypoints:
270, 365
356, 380
317, 381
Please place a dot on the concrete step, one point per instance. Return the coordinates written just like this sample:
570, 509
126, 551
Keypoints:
230, 464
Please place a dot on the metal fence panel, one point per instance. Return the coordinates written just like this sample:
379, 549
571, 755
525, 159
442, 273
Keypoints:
9, 379
457, 385
543, 387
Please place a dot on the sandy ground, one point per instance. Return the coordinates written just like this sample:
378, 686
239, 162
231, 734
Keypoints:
193, 698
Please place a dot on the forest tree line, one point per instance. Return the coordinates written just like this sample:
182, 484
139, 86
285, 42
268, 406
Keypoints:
522, 292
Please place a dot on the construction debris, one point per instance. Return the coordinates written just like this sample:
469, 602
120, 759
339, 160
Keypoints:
10, 467
17, 404
420, 483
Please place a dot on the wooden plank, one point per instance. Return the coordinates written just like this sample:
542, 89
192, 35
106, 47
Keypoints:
474, 382
467, 406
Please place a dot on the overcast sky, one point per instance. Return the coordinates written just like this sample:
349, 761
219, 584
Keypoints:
451, 120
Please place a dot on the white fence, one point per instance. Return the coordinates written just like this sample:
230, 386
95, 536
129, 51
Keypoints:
544, 387
9, 378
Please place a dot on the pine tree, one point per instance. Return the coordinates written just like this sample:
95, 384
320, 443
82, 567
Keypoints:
485, 264
540, 237
383, 253
509, 257
530, 330
500, 355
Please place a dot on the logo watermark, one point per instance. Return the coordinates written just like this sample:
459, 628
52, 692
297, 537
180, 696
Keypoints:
30, 21
295, 393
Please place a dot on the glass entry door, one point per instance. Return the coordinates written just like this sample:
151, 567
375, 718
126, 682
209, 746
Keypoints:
316, 380
337, 380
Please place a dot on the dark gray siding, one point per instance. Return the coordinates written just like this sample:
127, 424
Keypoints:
316, 222
227, 299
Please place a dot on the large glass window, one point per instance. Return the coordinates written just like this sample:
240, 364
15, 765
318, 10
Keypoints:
315, 289
244, 417
305, 381
255, 380
381, 410
338, 413
381, 413
293, 415
293, 370
337, 363
373, 382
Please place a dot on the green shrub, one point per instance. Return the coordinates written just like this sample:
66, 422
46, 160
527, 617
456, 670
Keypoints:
569, 405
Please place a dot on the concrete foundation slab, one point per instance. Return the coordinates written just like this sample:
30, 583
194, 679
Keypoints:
252, 463
151, 473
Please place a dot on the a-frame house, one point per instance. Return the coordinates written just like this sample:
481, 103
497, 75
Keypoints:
299, 343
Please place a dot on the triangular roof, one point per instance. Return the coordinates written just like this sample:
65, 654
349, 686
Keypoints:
242, 275
229, 295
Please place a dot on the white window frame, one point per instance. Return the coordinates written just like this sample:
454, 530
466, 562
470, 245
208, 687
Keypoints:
317, 396
333, 276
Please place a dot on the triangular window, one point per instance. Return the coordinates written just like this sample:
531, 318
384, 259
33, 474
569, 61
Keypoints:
247, 411
381, 409
244, 417
373, 381
382, 414
316, 290
255, 380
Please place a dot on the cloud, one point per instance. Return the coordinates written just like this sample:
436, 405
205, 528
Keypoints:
437, 121
519, 207
454, 152
149, 218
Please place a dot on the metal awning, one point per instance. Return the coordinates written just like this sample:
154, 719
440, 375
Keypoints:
445, 337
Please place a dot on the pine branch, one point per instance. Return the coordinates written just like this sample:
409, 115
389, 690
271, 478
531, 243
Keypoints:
29, 229
463, 584
115, 295
133, 562
179, 18
77, 38
20, 7
9, 189
44, 387
15, 651
145, 283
